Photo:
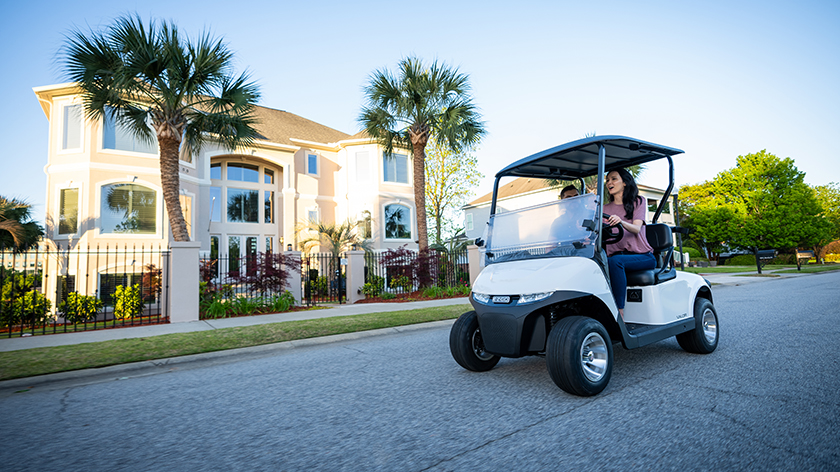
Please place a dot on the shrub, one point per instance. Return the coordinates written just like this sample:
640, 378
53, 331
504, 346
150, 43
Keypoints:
246, 306
80, 308
403, 282
784, 259
128, 302
283, 302
832, 258
742, 259
388, 296
374, 286
268, 272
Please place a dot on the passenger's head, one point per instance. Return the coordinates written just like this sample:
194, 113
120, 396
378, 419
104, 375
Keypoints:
621, 182
569, 191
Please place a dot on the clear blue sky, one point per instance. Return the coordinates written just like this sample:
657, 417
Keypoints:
717, 79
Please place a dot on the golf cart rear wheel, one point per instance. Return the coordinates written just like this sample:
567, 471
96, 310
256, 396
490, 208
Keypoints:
703, 339
467, 346
579, 355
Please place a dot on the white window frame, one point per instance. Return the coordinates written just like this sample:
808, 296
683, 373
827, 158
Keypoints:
120, 152
60, 143
160, 222
408, 169
317, 172
411, 228
317, 211
468, 223
59, 188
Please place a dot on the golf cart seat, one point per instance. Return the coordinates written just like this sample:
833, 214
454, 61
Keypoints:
660, 239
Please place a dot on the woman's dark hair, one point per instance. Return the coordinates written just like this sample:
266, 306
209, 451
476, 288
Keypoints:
630, 197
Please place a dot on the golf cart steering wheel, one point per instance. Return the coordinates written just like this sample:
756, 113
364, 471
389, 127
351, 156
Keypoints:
610, 237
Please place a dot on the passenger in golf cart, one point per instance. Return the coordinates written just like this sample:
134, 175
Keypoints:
548, 289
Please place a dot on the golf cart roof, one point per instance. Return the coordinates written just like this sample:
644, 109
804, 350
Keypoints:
579, 159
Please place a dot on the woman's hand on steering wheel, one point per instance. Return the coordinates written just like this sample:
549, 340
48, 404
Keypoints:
612, 232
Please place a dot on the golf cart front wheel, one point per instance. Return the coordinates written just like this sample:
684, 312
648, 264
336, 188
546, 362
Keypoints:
579, 355
467, 345
703, 339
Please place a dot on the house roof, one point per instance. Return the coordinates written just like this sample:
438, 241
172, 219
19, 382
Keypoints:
280, 126
516, 187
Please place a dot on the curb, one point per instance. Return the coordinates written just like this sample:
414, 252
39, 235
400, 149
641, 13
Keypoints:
95, 375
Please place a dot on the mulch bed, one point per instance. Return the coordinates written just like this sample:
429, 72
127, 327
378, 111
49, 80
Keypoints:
405, 297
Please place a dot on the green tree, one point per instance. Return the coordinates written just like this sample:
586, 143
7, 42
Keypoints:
450, 180
420, 103
706, 217
336, 238
139, 74
761, 203
828, 197
17, 230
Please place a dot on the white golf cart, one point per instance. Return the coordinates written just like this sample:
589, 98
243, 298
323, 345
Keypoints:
545, 287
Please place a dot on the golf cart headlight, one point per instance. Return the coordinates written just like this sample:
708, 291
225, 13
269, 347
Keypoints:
481, 298
533, 297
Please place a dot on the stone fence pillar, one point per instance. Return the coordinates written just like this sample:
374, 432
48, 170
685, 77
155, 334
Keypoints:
355, 275
295, 276
474, 259
183, 281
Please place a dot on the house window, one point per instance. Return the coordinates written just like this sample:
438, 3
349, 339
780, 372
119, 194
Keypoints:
312, 164
362, 167
118, 137
243, 172
108, 284
233, 254
395, 168
68, 211
313, 215
129, 209
365, 225
214, 255
652, 204
397, 222
216, 171
469, 222
71, 136
269, 206
269, 245
268, 178
242, 205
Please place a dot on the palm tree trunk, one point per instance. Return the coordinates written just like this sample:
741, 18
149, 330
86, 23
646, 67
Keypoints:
419, 146
171, 183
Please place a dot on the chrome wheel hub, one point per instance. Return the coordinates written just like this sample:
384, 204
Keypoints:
593, 357
478, 347
709, 326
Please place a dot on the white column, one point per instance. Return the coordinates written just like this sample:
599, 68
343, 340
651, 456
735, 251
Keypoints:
294, 276
183, 281
355, 275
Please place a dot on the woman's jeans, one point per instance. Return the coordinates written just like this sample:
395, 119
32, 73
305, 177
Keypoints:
619, 264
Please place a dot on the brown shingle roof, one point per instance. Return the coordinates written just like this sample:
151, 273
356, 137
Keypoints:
279, 126
516, 187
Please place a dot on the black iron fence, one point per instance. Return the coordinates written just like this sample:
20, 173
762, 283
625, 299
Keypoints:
403, 270
251, 276
63, 289
324, 278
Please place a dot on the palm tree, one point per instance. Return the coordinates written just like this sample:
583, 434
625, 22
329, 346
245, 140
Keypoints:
139, 74
419, 104
17, 231
337, 238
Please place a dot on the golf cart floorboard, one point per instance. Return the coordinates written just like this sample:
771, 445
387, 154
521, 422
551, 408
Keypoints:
639, 335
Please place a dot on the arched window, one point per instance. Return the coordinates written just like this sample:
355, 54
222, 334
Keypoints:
128, 209
397, 221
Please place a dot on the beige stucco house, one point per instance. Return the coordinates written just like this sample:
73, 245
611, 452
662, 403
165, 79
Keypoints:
104, 186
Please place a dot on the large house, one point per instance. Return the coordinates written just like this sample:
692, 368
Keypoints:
104, 186
523, 192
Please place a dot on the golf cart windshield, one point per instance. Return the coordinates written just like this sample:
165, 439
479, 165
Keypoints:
561, 228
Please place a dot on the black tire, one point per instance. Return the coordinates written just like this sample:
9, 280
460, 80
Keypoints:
579, 355
703, 339
466, 344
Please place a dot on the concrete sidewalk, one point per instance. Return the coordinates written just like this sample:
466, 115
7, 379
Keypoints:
64, 339
743, 278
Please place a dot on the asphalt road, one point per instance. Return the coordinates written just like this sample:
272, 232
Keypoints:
767, 399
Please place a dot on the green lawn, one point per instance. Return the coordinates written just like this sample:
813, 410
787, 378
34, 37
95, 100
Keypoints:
811, 269
733, 269
29, 362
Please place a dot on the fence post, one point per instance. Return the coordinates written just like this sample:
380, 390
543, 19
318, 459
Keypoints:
183, 281
474, 259
355, 275
295, 276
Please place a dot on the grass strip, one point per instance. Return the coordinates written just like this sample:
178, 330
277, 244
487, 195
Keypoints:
732, 269
49, 360
811, 269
